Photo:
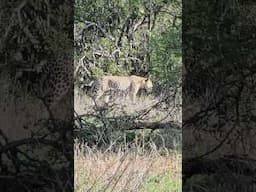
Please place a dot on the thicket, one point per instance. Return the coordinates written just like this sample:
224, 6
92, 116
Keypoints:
129, 37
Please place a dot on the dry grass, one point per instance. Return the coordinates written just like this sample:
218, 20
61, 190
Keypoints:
126, 171
133, 170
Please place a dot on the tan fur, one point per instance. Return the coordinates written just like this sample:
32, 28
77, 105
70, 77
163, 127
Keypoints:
130, 84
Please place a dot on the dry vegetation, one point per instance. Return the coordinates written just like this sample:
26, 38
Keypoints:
85, 105
125, 146
140, 166
126, 171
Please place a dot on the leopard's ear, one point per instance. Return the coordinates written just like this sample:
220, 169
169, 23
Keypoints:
148, 77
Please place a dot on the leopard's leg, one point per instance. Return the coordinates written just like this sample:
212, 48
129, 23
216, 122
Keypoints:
134, 92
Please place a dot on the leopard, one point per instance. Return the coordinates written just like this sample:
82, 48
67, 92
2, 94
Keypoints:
107, 86
54, 83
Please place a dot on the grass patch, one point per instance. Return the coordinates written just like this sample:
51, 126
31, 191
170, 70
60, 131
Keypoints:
162, 183
97, 170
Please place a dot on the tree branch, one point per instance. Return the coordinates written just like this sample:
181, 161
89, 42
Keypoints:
155, 125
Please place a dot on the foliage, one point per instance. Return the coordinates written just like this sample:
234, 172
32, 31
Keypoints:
130, 37
166, 57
